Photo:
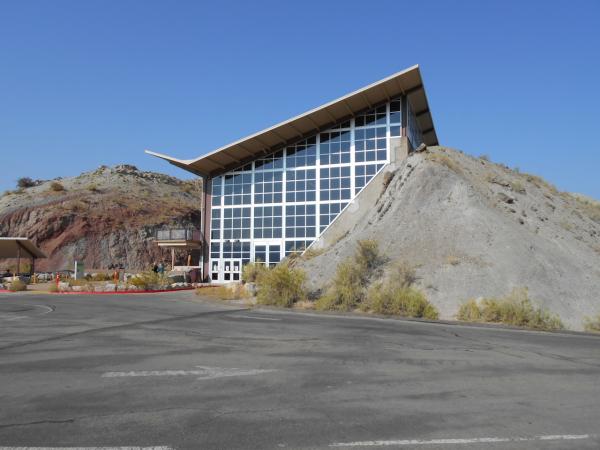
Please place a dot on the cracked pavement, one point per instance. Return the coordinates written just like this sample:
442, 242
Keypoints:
330, 378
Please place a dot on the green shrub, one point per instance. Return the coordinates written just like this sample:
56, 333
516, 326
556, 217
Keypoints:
281, 285
514, 309
17, 285
92, 187
53, 287
25, 182
251, 271
56, 186
592, 324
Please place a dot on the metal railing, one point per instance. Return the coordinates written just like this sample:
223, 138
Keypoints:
179, 234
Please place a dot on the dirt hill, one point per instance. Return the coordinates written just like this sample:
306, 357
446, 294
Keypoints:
108, 216
473, 228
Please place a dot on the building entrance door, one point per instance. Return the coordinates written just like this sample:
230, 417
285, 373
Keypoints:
232, 270
268, 252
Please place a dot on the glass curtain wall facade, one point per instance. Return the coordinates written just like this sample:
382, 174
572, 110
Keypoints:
280, 203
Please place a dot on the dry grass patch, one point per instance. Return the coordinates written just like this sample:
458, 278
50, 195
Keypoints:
540, 182
445, 160
589, 207
514, 309
230, 292
452, 260
311, 253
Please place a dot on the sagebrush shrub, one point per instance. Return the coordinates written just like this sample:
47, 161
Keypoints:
25, 182
17, 285
348, 289
251, 271
367, 254
281, 285
56, 186
352, 276
592, 324
395, 297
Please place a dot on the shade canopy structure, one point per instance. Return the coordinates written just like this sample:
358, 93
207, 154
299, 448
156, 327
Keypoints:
19, 247
407, 82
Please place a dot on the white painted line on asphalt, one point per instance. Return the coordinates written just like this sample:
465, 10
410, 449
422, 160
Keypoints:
482, 440
13, 317
203, 373
10, 317
255, 317
162, 447
47, 308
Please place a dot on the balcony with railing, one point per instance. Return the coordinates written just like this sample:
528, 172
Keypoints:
179, 234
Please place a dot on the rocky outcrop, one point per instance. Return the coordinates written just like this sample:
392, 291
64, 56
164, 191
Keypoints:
107, 216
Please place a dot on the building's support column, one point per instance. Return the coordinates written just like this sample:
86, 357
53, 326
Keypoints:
205, 226
404, 116
399, 149
18, 263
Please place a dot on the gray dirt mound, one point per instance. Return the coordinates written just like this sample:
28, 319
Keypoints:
474, 228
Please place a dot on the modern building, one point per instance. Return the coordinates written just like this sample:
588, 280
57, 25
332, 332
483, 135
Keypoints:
277, 191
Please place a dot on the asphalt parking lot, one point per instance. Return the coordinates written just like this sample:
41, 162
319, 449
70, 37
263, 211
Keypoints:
171, 371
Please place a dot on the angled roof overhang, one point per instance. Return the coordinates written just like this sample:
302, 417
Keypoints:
407, 82
13, 247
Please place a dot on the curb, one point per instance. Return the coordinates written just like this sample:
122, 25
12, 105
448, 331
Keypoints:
120, 292
103, 293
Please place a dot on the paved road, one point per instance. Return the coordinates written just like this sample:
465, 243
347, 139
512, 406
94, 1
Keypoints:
169, 370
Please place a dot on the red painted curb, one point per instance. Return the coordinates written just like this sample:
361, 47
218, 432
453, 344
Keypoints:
121, 292
105, 293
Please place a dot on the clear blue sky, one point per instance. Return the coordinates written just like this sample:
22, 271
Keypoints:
85, 83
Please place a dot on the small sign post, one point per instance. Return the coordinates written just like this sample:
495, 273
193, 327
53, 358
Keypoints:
79, 270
